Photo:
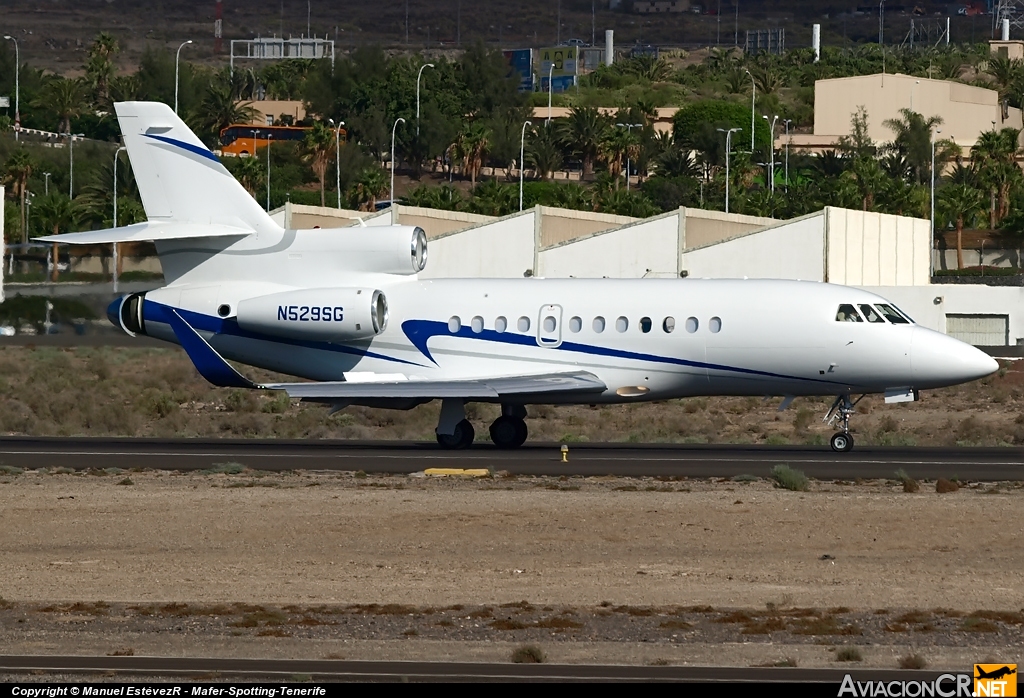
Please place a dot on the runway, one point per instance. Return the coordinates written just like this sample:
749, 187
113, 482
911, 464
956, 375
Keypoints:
652, 460
334, 670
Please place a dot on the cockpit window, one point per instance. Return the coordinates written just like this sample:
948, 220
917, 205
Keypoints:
870, 313
847, 313
892, 315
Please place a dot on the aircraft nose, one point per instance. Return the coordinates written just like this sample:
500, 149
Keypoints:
937, 360
114, 312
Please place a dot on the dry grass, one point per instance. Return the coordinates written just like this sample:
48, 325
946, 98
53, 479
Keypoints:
912, 661
943, 486
528, 654
156, 392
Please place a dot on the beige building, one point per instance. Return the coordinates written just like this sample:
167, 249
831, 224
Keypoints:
270, 110
966, 111
1011, 49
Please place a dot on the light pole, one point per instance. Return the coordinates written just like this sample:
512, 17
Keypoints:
418, 76
270, 140
46, 184
551, 72
522, 161
393, 130
629, 128
71, 168
787, 122
17, 87
116, 154
337, 157
931, 247
176, 57
771, 149
728, 149
753, 100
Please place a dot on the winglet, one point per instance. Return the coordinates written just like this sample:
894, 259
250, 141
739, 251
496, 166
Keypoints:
208, 362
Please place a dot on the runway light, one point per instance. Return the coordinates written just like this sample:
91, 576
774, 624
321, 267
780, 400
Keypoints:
565, 453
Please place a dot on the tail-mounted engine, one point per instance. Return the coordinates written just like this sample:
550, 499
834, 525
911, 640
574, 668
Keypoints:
319, 314
126, 313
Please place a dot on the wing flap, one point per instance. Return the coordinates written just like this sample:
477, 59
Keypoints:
154, 231
573, 382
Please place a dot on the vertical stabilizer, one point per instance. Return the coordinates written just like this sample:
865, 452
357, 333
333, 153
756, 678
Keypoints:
178, 177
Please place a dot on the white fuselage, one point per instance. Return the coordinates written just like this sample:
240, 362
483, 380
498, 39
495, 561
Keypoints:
645, 339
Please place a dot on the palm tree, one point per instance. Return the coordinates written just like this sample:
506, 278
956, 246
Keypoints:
371, 184
251, 174
99, 67
914, 139
960, 203
544, 153
64, 96
19, 169
616, 145
58, 213
473, 144
583, 132
993, 159
319, 147
220, 108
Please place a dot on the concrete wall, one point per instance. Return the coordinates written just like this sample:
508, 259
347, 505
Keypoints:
436, 222
966, 111
929, 305
791, 250
649, 249
302, 217
876, 249
503, 248
560, 225
702, 227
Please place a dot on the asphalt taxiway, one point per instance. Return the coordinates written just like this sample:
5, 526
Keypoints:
652, 460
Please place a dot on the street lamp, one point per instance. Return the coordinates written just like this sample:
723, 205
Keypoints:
46, 191
728, 149
418, 76
71, 169
116, 154
270, 140
551, 72
176, 57
522, 161
787, 122
393, 130
17, 87
931, 248
629, 128
771, 148
337, 157
753, 100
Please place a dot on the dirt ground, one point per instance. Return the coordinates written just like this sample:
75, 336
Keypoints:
157, 392
590, 569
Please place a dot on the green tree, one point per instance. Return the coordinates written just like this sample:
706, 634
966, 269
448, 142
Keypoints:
584, 130
99, 66
913, 140
319, 146
994, 161
57, 213
543, 150
960, 203
371, 184
64, 97
19, 169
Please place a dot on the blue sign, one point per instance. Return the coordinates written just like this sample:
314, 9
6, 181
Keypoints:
559, 83
520, 61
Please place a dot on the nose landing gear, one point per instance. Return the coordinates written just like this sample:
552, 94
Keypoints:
842, 408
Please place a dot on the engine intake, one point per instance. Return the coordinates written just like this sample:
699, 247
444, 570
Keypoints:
126, 313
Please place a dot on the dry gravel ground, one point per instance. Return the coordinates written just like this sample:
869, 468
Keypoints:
591, 569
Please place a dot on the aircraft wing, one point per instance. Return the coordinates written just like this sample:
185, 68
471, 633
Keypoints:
148, 231
212, 366
570, 382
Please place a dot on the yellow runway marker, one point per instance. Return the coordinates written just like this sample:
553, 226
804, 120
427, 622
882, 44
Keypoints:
457, 472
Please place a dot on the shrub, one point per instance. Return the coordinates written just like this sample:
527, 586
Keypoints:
909, 483
913, 661
788, 478
849, 654
528, 654
942, 486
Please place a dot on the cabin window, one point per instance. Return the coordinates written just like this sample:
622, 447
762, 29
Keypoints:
621, 324
892, 315
549, 323
870, 313
575, 324
668, 324
645, 324
715, 325
454, 324
847, 313
599, 324
500, 324
524, 324
478, 324
692, 324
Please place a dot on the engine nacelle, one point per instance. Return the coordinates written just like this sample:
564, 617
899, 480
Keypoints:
382, 250
318, 314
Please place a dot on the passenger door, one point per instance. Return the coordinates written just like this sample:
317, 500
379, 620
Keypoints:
549, 326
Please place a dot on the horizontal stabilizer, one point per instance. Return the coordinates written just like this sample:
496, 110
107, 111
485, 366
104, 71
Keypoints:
575, 382
150, 231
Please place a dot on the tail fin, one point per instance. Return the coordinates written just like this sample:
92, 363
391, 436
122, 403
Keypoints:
179, 178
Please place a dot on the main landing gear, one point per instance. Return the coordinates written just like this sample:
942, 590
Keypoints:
454, 431
842, 408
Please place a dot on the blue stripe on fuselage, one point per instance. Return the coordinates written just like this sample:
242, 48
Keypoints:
198, 150
420, 332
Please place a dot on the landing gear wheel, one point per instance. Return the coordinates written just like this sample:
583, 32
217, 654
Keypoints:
841, 442
508, 432
462, 438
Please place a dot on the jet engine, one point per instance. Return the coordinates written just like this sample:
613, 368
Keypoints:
382, 250
318, 314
